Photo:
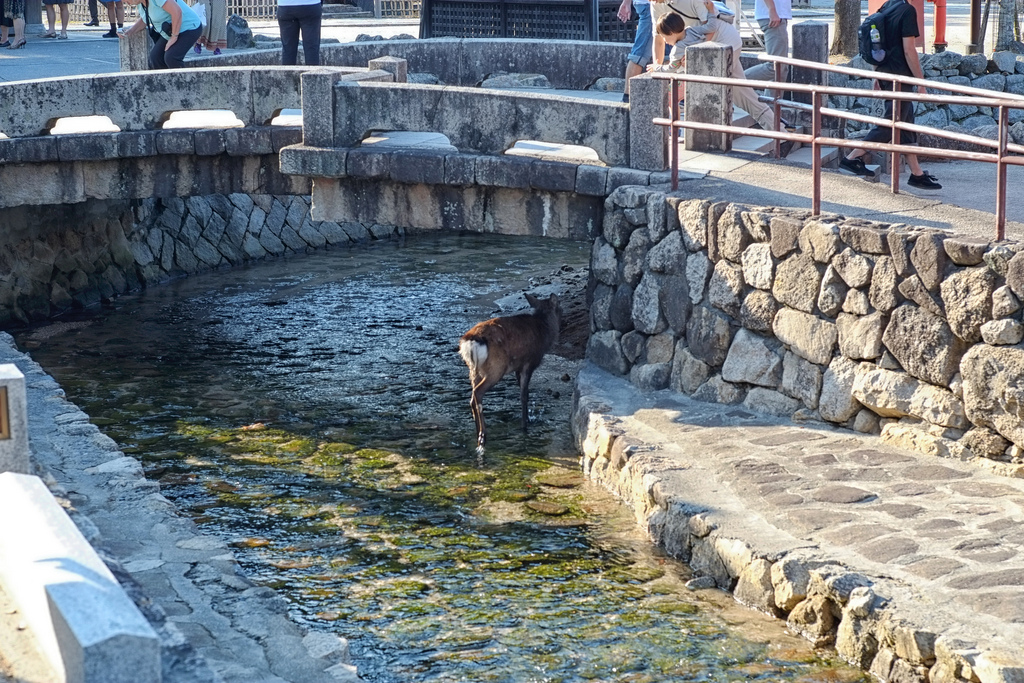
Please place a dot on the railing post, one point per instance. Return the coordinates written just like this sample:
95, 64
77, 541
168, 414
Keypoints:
895, 137
673, 135
816, 99
648, 143
1004, 122
706, 102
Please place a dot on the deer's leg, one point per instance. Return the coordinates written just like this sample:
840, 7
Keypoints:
524, 394
480, 387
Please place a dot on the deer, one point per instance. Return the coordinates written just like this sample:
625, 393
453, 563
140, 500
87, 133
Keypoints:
498, 346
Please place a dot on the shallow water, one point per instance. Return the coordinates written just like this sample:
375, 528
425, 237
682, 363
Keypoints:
314, 412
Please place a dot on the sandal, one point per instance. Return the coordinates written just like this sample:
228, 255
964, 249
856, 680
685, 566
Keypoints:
6, 43
17, 46
51, 34
62, 36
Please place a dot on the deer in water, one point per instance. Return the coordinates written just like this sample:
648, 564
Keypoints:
496, 347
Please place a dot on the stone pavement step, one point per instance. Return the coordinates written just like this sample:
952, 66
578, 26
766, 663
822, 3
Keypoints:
743, 496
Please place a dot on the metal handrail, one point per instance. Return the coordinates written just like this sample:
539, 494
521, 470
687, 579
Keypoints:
1002, 102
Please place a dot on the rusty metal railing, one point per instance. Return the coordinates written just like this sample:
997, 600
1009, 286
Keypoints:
1001, 102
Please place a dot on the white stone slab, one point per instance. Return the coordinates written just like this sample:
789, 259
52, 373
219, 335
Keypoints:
87, 627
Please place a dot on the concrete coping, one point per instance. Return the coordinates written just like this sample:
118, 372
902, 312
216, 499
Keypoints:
86, 626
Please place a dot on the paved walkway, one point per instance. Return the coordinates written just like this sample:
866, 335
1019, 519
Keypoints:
942, 539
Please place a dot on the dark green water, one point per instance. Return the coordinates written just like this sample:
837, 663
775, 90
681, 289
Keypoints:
314, 412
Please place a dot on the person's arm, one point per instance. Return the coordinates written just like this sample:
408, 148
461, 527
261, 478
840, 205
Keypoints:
139, 25
171, 7
659, 49
913, 61
773, 14
625, 10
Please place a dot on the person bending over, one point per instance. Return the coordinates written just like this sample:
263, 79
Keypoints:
673, 29
179, 28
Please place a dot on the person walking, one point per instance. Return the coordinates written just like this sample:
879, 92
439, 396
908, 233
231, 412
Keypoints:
215, 31
178, 26
94, 17
295, 17
14, 11
900, 21
115, 15
643, 41
773, 16
51, 19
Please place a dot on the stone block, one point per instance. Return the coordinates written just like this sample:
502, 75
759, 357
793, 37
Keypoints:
801, 380
314, 162
459, 169
284, 136
754, 586
810, 43
923, 344
503, 171
647, 315
797, 282
141, 143
28, 150
929, 259
210, 142
864, 239
770, 402
688, 373
248, 141
1002, 332
752, 360
367, 163
592, 180
785, 235
14, 450
809, 337
860, 337
396, 66
965, 251
318, 106
790, 580
668, 256
554, 176
894, 394
693, 221
180, 141
709, 336
86, 626
619, 177
820, 240
413, 167
705, 102
648, 143
758, 311
86, 147
604, 349
967, 299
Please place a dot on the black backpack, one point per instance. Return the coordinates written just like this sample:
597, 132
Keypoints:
875, 49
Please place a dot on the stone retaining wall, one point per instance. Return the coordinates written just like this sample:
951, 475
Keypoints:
60, 257
906, 332
1002, 72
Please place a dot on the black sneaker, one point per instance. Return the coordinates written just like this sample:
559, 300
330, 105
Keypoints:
94, 22
110, 34
855, 166
625, 97
925, 181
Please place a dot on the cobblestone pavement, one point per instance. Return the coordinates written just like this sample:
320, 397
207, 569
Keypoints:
943, 539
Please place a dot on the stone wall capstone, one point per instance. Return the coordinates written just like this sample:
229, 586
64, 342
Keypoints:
913, 334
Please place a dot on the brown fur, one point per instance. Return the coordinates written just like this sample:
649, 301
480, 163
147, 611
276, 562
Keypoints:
498, 346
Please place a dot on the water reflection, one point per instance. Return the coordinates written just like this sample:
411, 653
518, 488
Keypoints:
315, 412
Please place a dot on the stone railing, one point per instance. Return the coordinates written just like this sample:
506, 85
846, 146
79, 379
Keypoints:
909, 333
1002, 72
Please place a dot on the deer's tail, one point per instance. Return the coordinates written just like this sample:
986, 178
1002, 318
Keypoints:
473, 352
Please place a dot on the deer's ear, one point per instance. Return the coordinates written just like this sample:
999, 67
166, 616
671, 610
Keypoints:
532, 300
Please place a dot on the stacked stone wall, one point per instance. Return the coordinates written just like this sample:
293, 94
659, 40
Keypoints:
913, 334
1002, 72
56, 258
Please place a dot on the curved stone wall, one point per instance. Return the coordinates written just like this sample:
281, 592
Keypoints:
60, 257
907, 332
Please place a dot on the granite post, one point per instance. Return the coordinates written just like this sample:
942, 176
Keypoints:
648, 143
706, 102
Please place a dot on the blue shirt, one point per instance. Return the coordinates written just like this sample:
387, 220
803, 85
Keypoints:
158, 15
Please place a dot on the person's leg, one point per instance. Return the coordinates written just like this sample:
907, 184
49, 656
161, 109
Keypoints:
119, 13
289, 27
156, 55
94, 16
65, 17
747, 98
776, 42
51, 19
112, 18
174, 57
19, 31
640, 55
309, 24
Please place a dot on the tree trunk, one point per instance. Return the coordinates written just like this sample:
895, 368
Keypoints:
848, 19
1004, 30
